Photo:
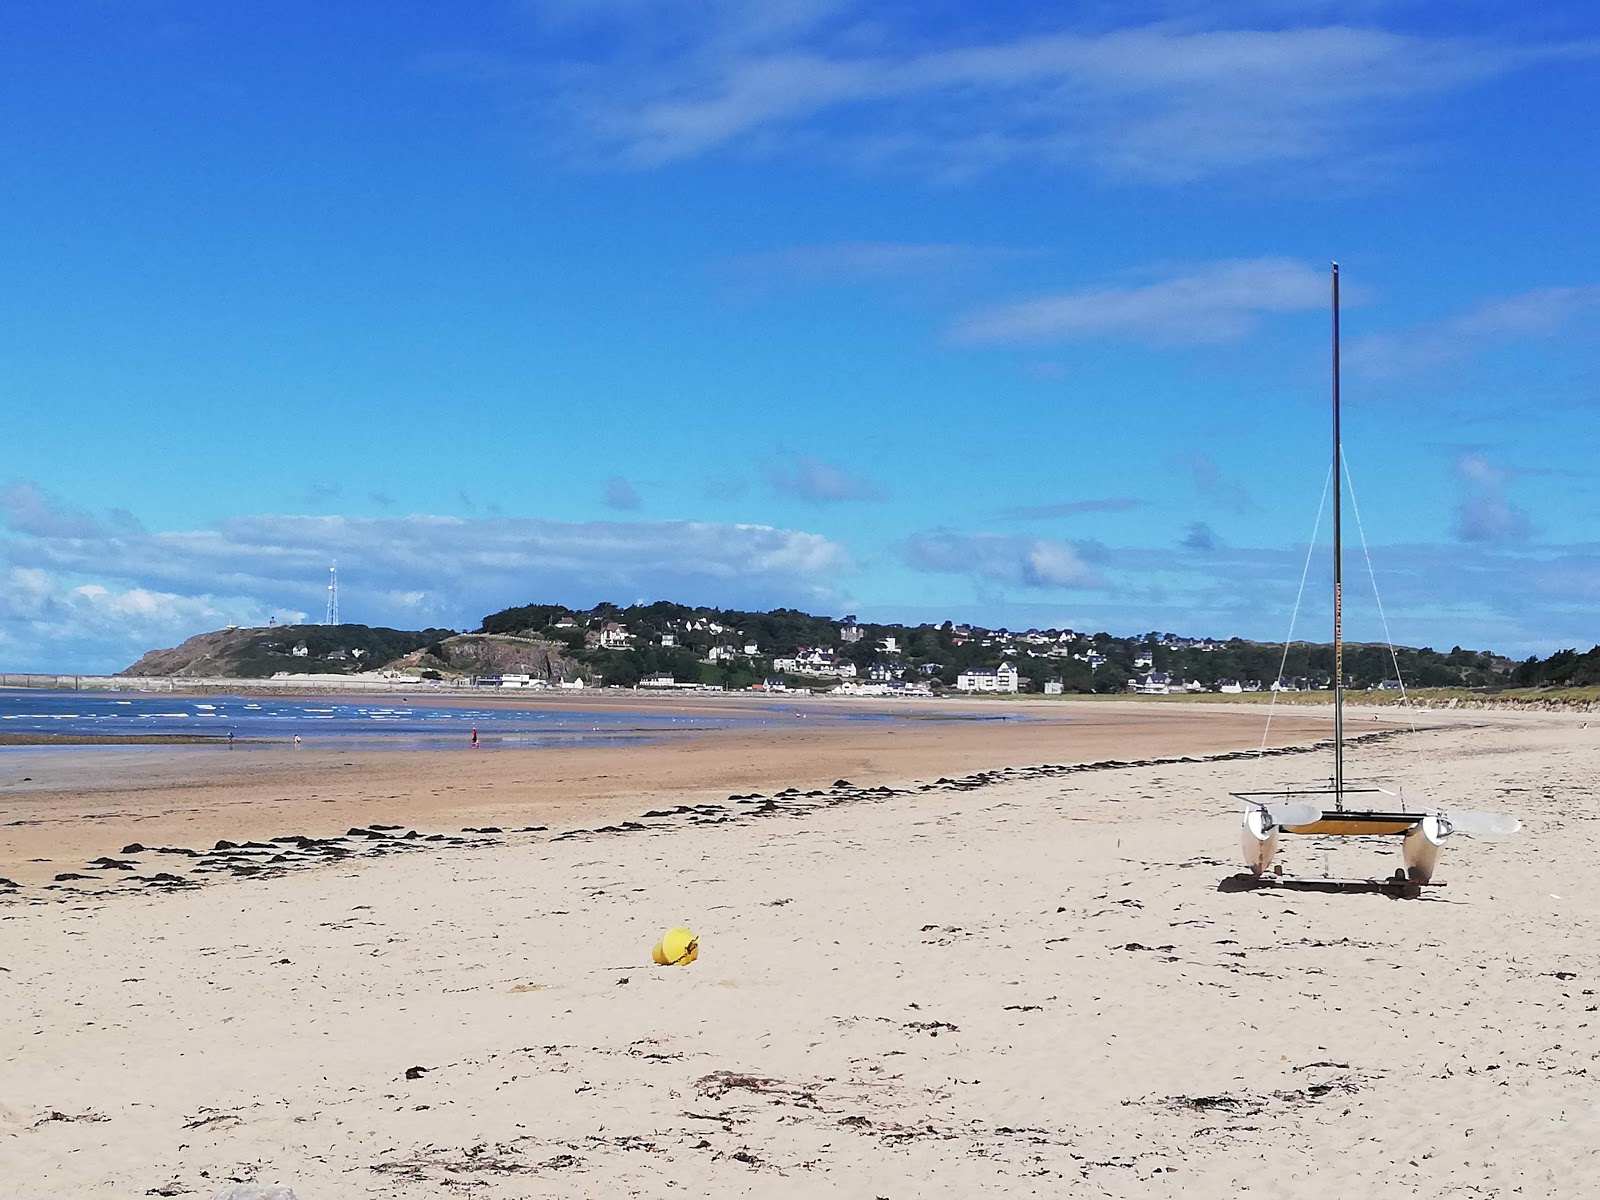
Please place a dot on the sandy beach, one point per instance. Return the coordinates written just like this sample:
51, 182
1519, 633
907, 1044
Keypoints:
949, 979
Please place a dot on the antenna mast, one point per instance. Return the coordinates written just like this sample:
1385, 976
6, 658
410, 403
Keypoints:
333, 594
1338, 570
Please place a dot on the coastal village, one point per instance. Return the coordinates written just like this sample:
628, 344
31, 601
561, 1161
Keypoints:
698, 650
665, 646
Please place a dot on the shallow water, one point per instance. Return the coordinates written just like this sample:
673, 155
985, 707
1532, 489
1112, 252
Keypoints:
387, 722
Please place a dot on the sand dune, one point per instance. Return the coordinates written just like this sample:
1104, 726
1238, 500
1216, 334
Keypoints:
1027, 984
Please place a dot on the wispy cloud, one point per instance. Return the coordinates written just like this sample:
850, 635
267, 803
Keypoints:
816, 482
1072, 508
648, 85
392, 570
618, 493
1208, 303
27, 509
1213, 485
1484, 512
1025, 561
1201, 538
1542, 312
855, 262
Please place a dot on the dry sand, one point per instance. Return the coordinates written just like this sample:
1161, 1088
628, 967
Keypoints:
1026, 983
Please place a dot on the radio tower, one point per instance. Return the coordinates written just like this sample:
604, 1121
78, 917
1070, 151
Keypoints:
333, 594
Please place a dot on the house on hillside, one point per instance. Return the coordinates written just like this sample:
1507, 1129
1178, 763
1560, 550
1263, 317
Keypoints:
1003, 678
1151, 683
1053, 686
818, 661
610, 636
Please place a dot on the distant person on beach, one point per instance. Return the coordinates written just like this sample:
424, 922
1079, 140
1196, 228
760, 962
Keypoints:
297, 741
230, 739
474, 738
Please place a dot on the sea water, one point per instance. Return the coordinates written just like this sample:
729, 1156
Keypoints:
395, 722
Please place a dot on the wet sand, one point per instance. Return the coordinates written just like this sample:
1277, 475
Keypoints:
61, 808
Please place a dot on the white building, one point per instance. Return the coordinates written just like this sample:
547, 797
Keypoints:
614, 636
824, 664
1053, 686
1151, 683
985, 679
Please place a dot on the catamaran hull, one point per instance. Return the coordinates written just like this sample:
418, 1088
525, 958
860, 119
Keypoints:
1259, 840
1421, 849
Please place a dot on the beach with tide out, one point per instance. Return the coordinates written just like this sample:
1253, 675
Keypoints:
938, 956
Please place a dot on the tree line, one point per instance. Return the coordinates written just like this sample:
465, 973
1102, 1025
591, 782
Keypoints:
939, 653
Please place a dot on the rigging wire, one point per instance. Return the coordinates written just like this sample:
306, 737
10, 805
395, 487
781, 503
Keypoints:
1394, 657
1295, 616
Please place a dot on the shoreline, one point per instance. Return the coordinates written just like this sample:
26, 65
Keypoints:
61, 808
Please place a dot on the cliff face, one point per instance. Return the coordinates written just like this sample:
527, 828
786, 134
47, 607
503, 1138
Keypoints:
205, 654
299, 649
492, 654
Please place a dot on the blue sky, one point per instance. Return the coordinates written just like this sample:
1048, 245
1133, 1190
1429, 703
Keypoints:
910, 310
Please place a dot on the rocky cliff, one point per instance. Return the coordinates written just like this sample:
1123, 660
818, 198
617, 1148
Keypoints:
492, 654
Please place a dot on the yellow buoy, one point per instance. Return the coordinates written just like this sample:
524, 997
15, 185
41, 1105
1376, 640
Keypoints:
678, 947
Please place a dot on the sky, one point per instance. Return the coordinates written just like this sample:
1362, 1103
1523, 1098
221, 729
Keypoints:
1007, 313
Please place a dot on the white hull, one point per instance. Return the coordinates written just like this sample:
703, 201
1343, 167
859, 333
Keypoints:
1259, 839
1421, 848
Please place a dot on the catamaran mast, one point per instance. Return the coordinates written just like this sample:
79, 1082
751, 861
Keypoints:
1338, 571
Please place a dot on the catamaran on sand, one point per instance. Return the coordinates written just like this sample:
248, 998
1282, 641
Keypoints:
1374, 810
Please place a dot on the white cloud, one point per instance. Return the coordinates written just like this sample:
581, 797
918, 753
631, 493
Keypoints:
1000, 558
48, 623
647, 85
1542, 312
1214, 302
97, 603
